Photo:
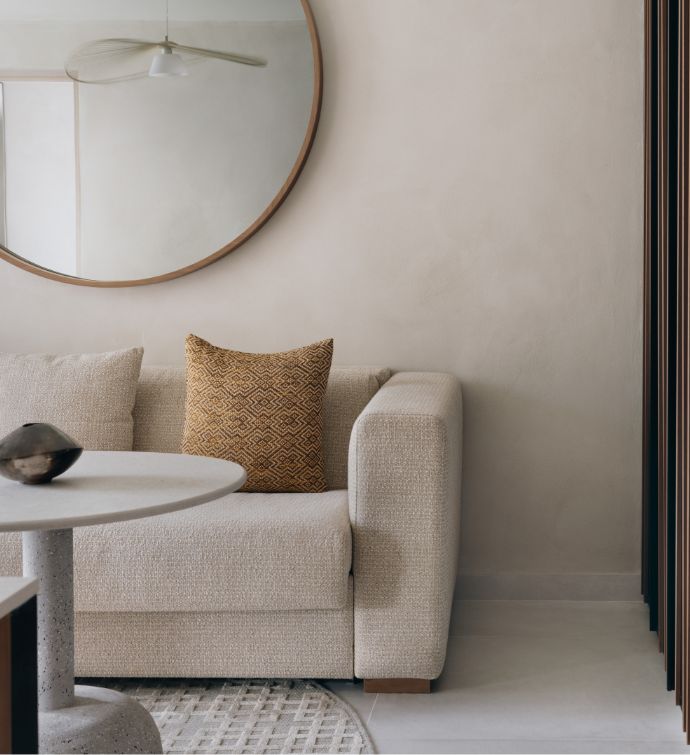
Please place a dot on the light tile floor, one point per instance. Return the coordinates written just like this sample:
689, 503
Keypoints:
535, 677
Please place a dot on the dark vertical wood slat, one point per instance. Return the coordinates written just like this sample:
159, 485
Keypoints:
678, 444
681, 360
647, 314
662, 255
672, 116
681, 473
684, 175
683, 457
651, 487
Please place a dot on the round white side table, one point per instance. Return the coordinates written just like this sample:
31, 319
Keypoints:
102, 487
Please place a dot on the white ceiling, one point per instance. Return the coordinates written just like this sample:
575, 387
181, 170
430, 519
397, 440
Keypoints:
148, 10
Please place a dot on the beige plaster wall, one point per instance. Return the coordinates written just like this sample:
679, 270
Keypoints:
473, 203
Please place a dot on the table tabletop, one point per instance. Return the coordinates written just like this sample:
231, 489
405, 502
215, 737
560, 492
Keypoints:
112, 486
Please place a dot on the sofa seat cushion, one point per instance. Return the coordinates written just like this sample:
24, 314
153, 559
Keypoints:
244, 552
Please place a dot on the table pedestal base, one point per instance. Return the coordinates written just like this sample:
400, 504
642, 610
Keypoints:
101, 720
74, 719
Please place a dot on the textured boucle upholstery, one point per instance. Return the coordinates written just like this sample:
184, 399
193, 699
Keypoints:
244, 552
284, 644
10, 554
349, 390
159, 409
88, 396
159, 412
404, 507
257, 584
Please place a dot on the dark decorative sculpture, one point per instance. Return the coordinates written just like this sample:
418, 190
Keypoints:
36, 452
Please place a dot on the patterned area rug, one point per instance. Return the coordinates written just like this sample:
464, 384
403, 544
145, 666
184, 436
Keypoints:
247, 716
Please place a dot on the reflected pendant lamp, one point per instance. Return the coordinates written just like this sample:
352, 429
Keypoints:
107, 61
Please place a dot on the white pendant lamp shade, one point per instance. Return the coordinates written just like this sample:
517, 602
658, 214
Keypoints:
168, 63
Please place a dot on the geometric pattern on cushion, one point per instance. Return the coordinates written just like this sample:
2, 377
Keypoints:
88, 396
262, 411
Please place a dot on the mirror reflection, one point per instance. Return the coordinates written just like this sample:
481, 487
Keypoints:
139, 137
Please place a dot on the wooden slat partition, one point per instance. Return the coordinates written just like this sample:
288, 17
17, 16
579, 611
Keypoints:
666, 387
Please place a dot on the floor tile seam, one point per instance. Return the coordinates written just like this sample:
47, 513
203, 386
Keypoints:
373, 705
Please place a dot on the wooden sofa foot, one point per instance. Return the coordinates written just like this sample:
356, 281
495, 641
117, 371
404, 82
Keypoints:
413, 686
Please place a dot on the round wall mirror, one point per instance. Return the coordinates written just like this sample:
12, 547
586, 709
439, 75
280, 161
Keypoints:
141, 140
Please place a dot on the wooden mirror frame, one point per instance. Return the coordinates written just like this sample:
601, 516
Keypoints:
265, 216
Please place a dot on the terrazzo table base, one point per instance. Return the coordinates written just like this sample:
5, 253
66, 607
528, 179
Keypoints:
106, 486
74, 719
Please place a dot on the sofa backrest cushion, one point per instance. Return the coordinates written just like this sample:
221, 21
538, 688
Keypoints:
88, 396
160, 406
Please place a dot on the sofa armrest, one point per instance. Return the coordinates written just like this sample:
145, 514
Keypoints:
404, 491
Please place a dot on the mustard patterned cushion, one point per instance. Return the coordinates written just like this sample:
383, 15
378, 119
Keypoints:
263, 411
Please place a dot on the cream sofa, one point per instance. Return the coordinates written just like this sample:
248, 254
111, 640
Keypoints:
354, 582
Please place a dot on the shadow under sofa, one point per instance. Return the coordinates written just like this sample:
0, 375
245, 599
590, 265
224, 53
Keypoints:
354, 582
